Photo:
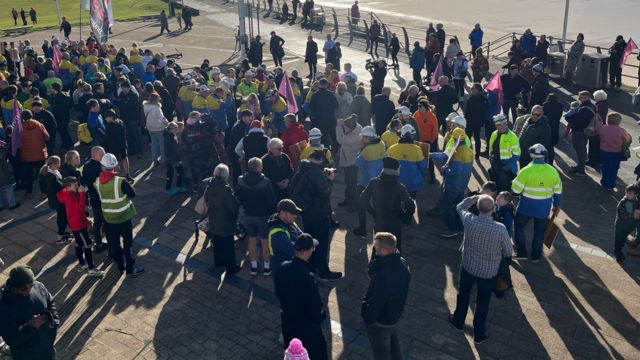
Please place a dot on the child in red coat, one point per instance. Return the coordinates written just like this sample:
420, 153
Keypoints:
74, 198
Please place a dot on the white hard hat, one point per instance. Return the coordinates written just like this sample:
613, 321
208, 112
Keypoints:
460, 121
109, 161
537, 150
452, 116
248, 73
500, 119
403, 110
407, 130
315, 133
368, 131
215, 70
203, 88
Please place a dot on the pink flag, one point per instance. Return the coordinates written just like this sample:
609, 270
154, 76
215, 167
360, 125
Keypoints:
495, 85
287, 91
16, 135
437, 73
57, 57
631, 45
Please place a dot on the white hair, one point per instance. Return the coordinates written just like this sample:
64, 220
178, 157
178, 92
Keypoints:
275, 142
221, 172
599, 95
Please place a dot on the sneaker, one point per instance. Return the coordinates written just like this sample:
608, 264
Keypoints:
63, 240
632, 243
330, 276
17, 205
519, 257
458, 328
266, 271
100, 247
82, 268
481, 340
535, 261
450, 234
136, 271
360, 232
254, 270
95, 272
620, 258
576, 172
129, 178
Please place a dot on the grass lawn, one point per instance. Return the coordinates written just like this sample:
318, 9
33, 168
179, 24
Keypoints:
47, 17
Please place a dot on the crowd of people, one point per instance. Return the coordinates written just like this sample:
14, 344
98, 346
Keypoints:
229, 137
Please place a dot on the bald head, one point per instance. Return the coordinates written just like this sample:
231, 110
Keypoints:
386, 91
486, 205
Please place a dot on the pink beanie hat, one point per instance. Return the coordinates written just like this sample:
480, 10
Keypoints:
296, 351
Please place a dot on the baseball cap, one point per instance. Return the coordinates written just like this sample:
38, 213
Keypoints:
305, 242
289, 206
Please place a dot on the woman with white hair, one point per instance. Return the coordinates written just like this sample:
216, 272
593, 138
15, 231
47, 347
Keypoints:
602, 108
276, 166
222, 226
344, 99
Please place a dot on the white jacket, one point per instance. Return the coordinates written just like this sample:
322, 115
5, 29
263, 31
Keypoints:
155, 118
349, 145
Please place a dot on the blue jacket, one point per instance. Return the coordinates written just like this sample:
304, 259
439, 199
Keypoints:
412, 164
456, 176
148, 77
417, 58
528, 44
369, 162
218, 109
281, 238
96, 126
476, 37
504, 215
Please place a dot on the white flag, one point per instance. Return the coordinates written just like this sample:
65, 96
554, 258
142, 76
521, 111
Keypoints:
85, 5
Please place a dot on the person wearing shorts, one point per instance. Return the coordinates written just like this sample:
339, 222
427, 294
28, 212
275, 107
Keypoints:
257, 197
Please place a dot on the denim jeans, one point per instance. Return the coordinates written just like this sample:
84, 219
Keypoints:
8, 193
483, 297
610, 166
384, 342
539, 227
157, 144
448, 202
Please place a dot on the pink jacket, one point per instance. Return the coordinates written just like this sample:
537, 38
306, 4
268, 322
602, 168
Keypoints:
612, 137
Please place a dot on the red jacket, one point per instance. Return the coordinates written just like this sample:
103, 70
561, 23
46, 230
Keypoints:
34, 141
290, 136
75, 204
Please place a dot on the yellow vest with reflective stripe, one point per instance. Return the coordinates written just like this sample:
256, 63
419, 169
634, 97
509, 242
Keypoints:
274, 231
509, 144
116, 206
537, 181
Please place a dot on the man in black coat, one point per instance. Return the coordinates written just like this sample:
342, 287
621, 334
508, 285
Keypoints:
323, 106
445, 98
90, 172
476, 114
378, 73
129, 110
301, 308
387, 200
28, 316
61, 104
278, 168
311, 191
255, 51
311, 57
46, 118
382, 109
540, 88
237, 133
275, 46
513, 86
386, 296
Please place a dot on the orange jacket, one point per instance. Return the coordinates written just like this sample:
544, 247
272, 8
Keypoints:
428, 126
34, 141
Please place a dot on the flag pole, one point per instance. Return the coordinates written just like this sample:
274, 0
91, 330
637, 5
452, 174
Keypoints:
80, 20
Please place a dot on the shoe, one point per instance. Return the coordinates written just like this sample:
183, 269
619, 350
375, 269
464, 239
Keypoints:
266, 271
232, 270
360, 232
481, 340
254, 270
620, 258
138, 270
330, 276
536, 260
82, 268
450, 234
169, 192
17, 205
520, 257
63, 240
632, 244
95, 272
180, 189
129, 178
458, 328
574, 171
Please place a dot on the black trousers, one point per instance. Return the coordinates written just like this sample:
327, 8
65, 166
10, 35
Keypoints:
374, 43
29, 173
622, 230
121, 250
500, 176
319, 229
224, 251
277, 60
384, 341
63, 130
615, 74
417, 77
98, 222
171, 169
594, 150
475, 133
61, 219
313, 69
351, 194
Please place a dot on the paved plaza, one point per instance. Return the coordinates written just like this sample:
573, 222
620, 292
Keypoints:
576, 303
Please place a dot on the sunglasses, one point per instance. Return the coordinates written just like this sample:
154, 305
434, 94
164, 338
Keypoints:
537, 115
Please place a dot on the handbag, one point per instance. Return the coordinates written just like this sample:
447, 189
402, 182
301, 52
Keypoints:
626, 151
202, 208
83, 133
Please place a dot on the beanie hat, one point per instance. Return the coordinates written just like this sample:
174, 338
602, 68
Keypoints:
256, 124
350, 122
20, 276
539, 67
390, 163
296, 351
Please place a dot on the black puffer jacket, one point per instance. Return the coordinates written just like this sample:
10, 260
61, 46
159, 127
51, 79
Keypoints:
310, 190
255, 193
223, 206
477, 111
387, 293
388, 201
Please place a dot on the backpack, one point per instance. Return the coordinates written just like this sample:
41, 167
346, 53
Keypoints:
83, 133
591, 129
298, 190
